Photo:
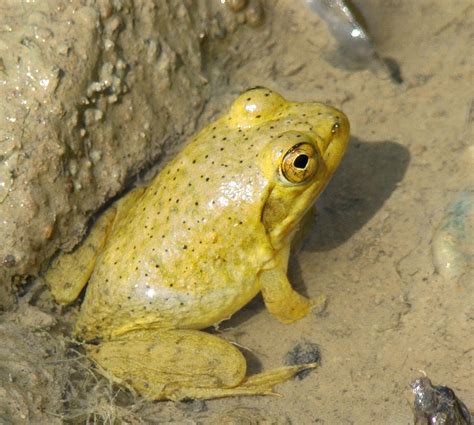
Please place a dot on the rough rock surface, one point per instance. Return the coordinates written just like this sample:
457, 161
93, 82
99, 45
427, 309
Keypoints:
90, 94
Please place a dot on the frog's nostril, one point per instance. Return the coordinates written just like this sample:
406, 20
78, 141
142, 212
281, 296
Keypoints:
301, 162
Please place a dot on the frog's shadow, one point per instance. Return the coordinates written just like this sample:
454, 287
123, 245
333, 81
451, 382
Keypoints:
366, 178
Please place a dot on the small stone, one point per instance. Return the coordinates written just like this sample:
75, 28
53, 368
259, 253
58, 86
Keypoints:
303, 353
254, 15
236, 5
9, 260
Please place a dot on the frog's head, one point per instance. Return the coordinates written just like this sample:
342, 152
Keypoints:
302, 146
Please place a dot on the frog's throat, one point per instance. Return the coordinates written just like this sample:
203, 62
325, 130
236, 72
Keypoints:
281, 233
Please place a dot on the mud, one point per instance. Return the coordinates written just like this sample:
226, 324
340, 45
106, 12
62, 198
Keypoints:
389, 313
91, 93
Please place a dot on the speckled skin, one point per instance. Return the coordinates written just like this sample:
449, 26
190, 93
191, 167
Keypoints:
211, 231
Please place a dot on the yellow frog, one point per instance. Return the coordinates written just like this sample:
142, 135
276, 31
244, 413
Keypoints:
211, 231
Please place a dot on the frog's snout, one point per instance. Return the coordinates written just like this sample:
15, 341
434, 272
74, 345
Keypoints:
336, 140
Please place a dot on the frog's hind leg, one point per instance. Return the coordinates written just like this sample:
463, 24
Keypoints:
181, 364
69, 272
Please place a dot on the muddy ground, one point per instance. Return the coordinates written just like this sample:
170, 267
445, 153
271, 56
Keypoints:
392, 311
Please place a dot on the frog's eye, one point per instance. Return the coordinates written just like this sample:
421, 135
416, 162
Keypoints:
300, 163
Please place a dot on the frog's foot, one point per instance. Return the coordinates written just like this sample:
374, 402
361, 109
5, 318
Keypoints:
180, 364
69, 272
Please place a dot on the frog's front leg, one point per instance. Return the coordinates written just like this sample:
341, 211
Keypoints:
180, 364
280, 298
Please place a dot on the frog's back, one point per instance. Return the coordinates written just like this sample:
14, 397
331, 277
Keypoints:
188, 253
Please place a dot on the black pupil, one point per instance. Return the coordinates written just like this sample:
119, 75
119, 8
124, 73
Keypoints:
301, 161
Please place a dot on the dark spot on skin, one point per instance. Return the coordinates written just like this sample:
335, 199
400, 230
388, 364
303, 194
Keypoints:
258, 116
249, 99
185, 247
194, 161
222, 149
196, 203
207, 179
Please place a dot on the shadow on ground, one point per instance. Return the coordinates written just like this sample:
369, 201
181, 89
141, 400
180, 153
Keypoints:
366, 178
